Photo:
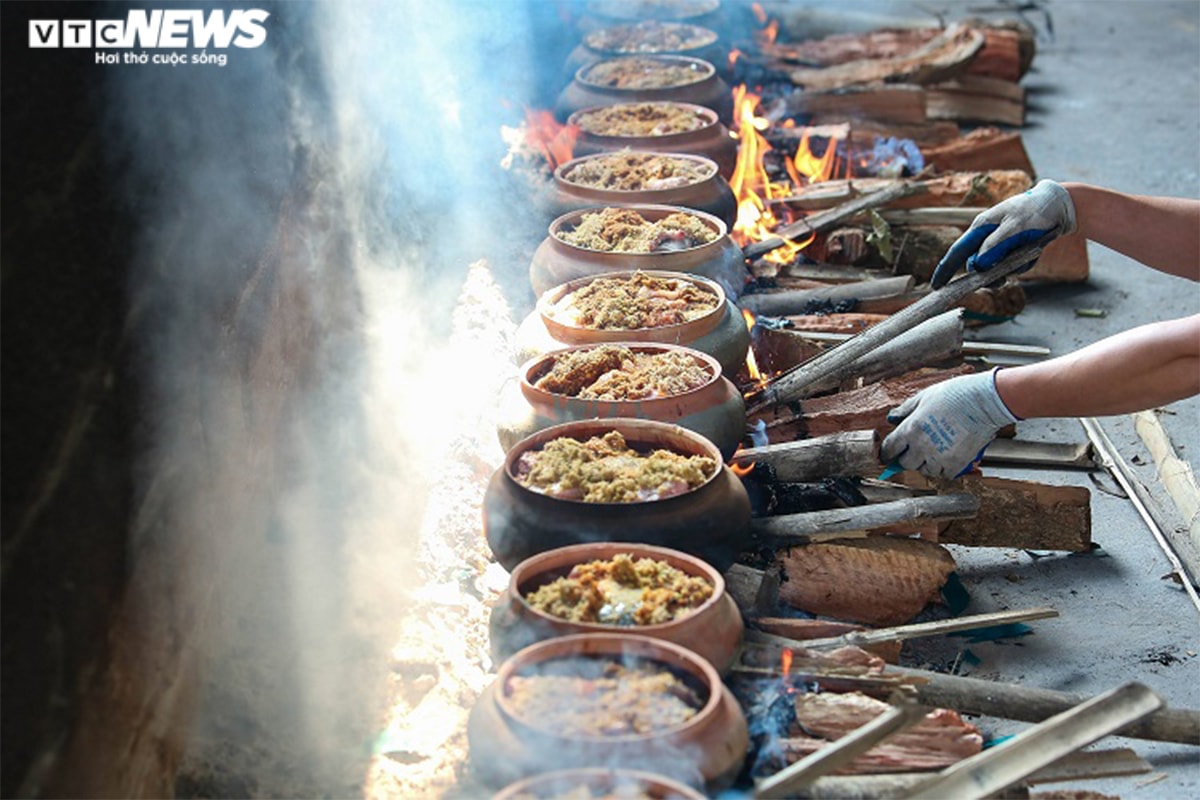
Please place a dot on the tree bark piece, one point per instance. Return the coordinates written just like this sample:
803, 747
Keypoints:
881, 580
982, 149
800, 301
891, 103
802, 528
978, 189
1022, 514
755, 591
849, 453
971, 98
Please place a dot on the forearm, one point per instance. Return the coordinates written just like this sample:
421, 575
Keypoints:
1160, 232
1142, 368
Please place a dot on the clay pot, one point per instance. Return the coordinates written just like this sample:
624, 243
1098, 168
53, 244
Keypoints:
556, 262
711, 521
708, 90
706, 751
604, 13
600, 782
711, 140
715, 410
713, 630
711, 195
721, 334
597, 45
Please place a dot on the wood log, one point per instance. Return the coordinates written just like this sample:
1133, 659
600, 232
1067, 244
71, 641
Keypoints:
864, 131
830, 273
866, 638
982, 307
984, 148
942, 58
1174, 473
800, 301
858, 409
776, 351
1000, 56
1065, 260
847, 453
755, 591
978, 189
1111, 763
1022, 514
899, 103
841, 48
815, 525
971, 98
1024, 453
881, 786
880, 580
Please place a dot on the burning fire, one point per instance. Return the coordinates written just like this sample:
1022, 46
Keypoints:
770, 27
785, 661
542, 133
751, 362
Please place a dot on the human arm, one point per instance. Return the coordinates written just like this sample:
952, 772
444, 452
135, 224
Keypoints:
943, 430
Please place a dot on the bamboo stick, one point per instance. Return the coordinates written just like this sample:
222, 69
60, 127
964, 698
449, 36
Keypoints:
920, 629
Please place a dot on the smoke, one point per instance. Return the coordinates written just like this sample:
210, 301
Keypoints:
318, 362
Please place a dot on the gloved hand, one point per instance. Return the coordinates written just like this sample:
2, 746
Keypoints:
1046, 209
944, 429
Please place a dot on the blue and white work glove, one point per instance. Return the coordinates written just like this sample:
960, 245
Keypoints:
1045, 210
943, 430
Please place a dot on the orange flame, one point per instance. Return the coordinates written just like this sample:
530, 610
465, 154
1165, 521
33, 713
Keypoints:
555, 141
785, 661
812, 168
751, 362
742, 470
768, 28
750, 182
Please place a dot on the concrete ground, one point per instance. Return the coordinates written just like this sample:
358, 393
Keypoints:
1113, 99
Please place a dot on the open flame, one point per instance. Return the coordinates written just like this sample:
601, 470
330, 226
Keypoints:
541, 134
785, 662
804, 167
741, 470
752, 363
769, 29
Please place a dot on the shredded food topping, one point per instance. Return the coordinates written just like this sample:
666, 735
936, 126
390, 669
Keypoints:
644, 72
641, 119
604, 469
614, 372
633, 302
622, 591
594, 697
624, 230
650, 36
628, 171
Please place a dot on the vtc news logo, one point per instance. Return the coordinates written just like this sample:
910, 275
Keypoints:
174, 28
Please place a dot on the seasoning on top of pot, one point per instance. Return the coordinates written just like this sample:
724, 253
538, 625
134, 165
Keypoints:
650, 36
630, 171
621, 591
633, 302
604, 469
602, 697
641, 119
614, 372
644, 72
624, 230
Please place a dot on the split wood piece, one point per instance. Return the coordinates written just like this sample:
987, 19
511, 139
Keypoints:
831, 273
806, 630
1059, 455
971, 98
893, 103
879, 580
1175, 473
975, 696
755, 591
856, 409
845, 324
898, 717
849, 453
799, 301
814, 526
919, 630
984, 306
969, 348
878, 787
797, 384
864, 132
780, 350
982, 149
1065, 260
1022, 514
978, 189
826, 220
1029, 751
943, 58
1001, 55
1111, 763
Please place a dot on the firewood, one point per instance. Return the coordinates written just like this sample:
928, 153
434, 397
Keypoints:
818, 629
868, 638
942, 58
1064, 261
1024, 453
1021, 514
983, 306
859, 409
1174, 473
893, 102
846, 453
841, 48
812, 526
971, 98
755, 591
881, 580
951, 191
798, 301
1000, 56
1109, 763
984, 148
846, 324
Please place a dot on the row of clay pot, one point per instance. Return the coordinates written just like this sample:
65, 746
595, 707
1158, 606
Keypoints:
539, 538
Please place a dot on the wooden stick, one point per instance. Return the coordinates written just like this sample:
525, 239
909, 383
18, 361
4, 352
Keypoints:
1003, 765
824, 220
904, 714
808, 460
1004, 700
1060, 455
794, 385
875, 787
1111, 763
797, 301
970, 348
921, 629
801, 528
1175, 473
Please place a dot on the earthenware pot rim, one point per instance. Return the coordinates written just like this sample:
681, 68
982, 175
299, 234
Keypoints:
699, 326
628, 428
533, 566
622, 645
634, 23
709, 70
713, 121
566, 166
533, 394
587, 776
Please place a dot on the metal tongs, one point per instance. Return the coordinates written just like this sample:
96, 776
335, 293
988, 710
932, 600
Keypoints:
794, 385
